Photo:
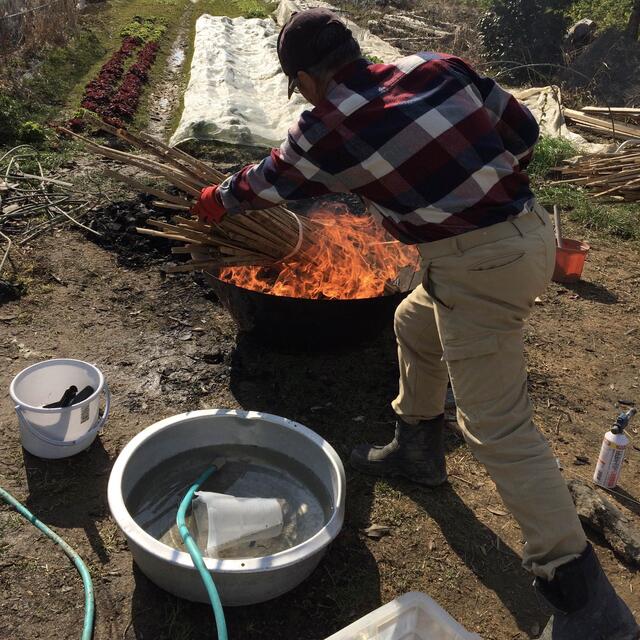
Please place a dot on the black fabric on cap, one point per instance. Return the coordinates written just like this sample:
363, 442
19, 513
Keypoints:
297, 45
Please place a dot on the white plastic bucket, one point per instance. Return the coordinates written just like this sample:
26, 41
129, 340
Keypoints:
59, 432
228, 520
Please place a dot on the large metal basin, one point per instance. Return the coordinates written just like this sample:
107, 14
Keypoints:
239, 581
302, 322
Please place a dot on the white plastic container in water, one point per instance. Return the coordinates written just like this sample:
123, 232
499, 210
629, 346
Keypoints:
413, 616
61, 432
223, 520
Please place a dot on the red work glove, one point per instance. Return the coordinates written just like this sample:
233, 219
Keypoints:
208, 208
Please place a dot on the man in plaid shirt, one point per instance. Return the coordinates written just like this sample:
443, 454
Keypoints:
439, 155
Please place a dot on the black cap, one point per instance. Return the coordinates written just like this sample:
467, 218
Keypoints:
298, 48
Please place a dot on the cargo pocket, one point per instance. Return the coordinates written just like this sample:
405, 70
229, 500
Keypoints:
495, 263
475, 370
435, 292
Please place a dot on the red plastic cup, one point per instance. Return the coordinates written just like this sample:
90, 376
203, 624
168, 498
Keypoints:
570, 260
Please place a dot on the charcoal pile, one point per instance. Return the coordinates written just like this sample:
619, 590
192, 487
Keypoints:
117, 224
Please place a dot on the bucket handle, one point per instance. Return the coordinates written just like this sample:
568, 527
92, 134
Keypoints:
62, 443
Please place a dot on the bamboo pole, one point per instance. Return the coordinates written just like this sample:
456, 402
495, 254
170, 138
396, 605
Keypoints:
248, 238
179, 180
598, 124
605, 175
138, 186
140, 143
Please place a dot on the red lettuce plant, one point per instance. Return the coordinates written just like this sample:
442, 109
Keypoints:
113, 94
99, 91
125, 102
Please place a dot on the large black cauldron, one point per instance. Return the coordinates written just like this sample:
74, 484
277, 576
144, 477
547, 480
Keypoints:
301, 322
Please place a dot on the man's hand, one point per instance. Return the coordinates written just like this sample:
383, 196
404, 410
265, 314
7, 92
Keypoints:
208, 208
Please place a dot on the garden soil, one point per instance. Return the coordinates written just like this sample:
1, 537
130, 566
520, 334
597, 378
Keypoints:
167, 346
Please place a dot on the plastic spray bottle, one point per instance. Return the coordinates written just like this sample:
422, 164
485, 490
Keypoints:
612, 452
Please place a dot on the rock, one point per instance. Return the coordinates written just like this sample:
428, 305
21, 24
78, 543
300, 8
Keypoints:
216, 356
581, 33
377, 531
598, 513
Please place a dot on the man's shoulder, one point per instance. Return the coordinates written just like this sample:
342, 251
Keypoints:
421, 57
364, 84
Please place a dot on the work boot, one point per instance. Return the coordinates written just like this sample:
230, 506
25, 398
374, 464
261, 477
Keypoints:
416, 453
586, 605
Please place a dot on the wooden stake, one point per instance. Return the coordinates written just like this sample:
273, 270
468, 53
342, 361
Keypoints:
558, 226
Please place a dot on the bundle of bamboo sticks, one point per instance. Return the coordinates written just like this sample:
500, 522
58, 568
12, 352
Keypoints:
602, 126
615, 112
251, 238
612, 176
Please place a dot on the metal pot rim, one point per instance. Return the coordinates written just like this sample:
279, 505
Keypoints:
334, 301
288, 557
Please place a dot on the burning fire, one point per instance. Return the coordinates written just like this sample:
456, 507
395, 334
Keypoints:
355, 258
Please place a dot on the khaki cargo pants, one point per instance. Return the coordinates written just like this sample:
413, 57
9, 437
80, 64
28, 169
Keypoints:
465, 322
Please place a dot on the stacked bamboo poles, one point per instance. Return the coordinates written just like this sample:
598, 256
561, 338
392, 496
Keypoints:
599, 125
253, 238
620, 112
613, 176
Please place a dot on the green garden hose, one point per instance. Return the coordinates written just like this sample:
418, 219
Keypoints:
89, 601
196, 556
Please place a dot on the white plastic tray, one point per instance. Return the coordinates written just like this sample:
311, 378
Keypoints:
413, 616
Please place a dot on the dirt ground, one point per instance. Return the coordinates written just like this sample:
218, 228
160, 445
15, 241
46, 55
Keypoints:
166, 346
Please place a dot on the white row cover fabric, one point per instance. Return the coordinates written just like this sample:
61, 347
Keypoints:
545, 103
237, 92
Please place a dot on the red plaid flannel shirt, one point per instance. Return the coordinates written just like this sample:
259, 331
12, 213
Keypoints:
436, 149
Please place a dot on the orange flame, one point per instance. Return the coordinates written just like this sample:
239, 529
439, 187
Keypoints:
353, 258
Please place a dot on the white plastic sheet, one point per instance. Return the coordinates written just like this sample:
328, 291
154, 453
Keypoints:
237, 92
545, 103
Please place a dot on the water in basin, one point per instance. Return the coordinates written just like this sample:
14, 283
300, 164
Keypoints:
249, 472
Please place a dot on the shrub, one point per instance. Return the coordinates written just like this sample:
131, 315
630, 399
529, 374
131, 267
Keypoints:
36, 25
256, 13
13, 126
524, 32
145, 29
32, 133
606, 13
11, 114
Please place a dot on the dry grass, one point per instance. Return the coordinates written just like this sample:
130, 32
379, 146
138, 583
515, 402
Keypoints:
421, 25
27, 25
